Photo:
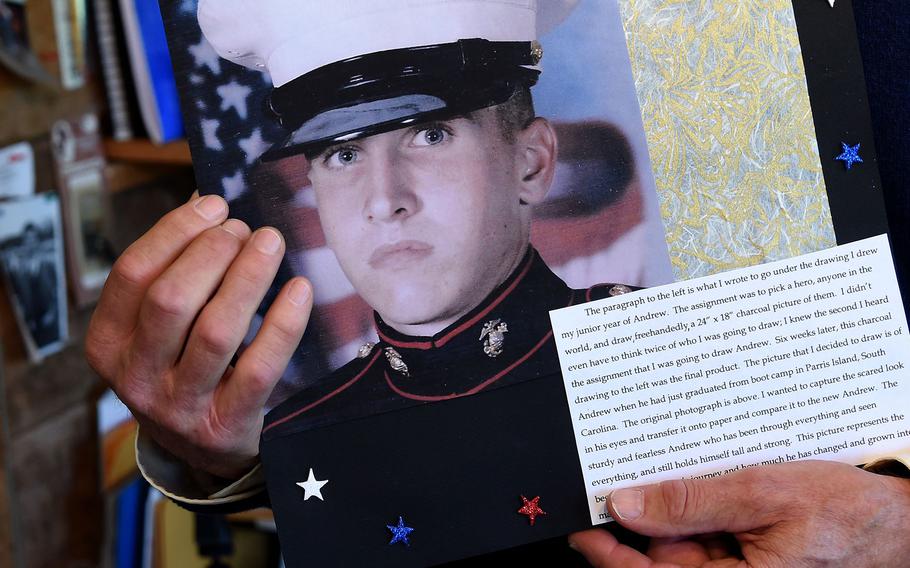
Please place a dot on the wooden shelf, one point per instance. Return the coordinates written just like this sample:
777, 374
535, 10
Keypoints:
144, 151
123, 175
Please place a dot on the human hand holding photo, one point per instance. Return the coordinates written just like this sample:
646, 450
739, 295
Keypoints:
175, 308
812, 513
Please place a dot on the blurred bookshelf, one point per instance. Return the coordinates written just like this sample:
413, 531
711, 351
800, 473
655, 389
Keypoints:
54, 508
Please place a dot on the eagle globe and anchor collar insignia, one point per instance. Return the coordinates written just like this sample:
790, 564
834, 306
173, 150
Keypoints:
365, 350
493, 337
395, 361
619, 290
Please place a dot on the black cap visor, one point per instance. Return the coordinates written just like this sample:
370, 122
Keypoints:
389, 90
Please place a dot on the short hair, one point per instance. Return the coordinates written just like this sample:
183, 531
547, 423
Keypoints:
515, 114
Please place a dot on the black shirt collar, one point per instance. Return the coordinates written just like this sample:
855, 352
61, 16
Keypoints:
453, 362
389, 335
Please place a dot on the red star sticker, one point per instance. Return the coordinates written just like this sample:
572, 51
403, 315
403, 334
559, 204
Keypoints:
531, 508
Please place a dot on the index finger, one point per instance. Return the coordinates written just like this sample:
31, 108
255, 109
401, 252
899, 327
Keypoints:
149, 256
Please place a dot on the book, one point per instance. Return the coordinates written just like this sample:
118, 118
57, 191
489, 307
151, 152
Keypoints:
69, 29
131, 524
117, 431
115, 84
152, 74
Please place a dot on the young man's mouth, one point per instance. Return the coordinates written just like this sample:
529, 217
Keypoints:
399, 254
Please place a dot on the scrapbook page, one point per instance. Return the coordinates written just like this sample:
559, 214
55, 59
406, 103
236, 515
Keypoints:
425, 417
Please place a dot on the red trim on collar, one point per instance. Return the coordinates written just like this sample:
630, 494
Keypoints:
483, 385
476, 389
424, 345
300, 411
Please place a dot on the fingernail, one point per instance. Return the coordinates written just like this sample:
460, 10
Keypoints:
573, 546
267, 241
210, 206
629, 504
236, 228
298, 293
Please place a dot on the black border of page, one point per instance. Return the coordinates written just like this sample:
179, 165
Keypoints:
837, 92
836, 84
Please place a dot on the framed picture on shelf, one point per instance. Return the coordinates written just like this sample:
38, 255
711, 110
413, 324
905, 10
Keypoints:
31, 257
79, 165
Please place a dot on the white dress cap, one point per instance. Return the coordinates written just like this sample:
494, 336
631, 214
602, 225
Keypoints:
290, 38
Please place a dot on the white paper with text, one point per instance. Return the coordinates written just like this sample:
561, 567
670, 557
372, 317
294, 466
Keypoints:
797, 359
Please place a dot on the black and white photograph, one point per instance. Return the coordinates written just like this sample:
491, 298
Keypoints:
31, 249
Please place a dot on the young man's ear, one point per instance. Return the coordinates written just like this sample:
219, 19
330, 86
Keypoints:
536, 153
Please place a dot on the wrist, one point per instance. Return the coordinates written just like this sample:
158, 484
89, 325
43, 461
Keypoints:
214, 467
895, 476
225, 469
900, 486
902, 489
183, 483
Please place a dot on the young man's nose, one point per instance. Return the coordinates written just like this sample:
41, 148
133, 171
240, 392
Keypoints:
391, 194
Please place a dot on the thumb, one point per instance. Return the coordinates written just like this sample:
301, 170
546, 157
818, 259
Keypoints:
734, 503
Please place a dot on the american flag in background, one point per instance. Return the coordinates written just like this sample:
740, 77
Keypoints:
228, 127
589, 231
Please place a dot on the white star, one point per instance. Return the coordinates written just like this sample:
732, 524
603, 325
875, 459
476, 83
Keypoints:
831, 2
312, 487
205, 56
233, 186
188, 6
253, 146
210, 134
234, 95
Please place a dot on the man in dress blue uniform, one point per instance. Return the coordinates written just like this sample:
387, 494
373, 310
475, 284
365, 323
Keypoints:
426, 159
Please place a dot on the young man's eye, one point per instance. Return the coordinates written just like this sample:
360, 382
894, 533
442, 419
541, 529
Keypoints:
431, 136
340, 158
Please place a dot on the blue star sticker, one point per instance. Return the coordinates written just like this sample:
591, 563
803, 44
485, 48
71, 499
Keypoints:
400, 533
850, 155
